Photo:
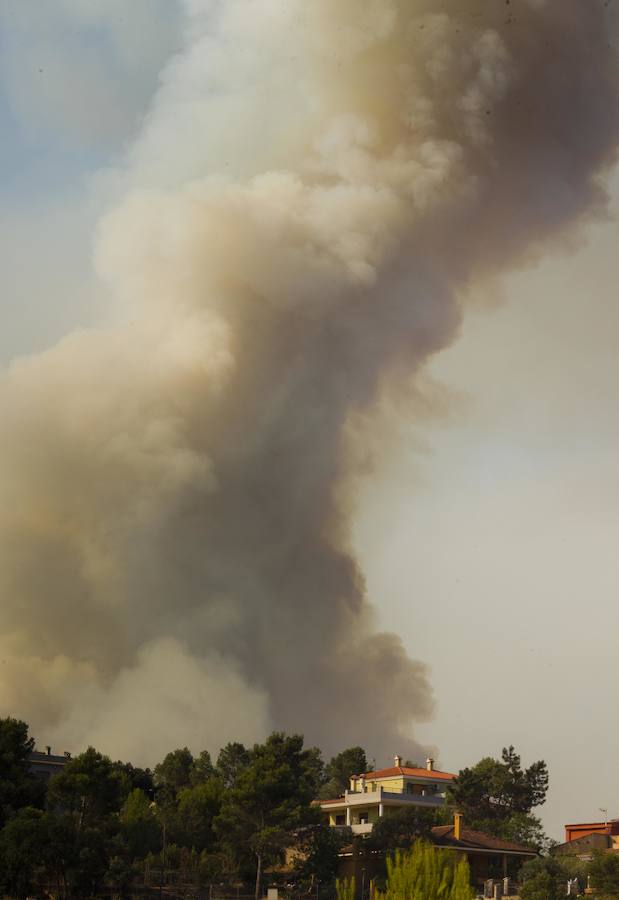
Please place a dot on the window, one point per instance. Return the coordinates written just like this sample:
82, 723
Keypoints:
340, 819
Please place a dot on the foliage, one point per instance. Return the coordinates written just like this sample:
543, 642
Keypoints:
141, 829
319, 847
174, 773
120, 875
201, 769
197, 808
99, 830
270, 802
543, 878
345, 889
426, 873
22, 841
232, 760
497, 796
541, 887
401, 828
132, 778
18, 787
84, 801
604, 872
89, 786
339, 770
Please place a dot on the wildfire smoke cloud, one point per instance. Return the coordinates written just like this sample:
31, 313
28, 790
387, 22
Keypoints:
315, 189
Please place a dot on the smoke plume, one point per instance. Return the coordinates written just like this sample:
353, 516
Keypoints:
316, 188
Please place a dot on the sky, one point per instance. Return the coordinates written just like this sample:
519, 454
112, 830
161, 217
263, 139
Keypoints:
497, 557
487, 526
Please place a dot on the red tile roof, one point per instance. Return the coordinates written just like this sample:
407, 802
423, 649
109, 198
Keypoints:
433, 774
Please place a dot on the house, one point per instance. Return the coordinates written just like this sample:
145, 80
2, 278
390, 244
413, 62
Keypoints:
582, 839
489, 858
582, 829
376, 794
45, 765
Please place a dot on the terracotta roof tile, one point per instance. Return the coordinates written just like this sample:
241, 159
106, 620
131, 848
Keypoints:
434, 775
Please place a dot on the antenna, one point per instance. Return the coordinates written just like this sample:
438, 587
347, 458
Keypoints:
602, 809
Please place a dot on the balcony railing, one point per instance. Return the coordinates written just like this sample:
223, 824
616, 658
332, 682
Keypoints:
356, 798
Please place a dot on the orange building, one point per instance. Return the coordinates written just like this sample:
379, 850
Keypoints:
583, 829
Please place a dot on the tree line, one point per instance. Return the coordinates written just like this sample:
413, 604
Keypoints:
103, 825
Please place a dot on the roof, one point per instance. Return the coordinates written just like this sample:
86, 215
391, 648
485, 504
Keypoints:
589, 824
36, 756
476, 840
431, 774
592, 841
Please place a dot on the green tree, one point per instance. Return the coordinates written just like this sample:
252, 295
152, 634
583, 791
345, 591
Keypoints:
89, 786
197, 808
131, 778
23, 848
18, 787
604, 872
544, 878
271, 800
319, 848
173, 774
401, 828
201, 769
232, 760
497, 796
541, 887
74, 854
120, 875
339, 770
426, 873
141, 829
84, 802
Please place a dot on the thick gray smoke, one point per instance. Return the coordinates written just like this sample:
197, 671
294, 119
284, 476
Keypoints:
316, 188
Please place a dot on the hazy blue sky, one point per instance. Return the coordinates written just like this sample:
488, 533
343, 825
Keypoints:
488, 534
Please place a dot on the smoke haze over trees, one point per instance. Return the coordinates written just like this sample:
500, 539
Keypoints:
313, 192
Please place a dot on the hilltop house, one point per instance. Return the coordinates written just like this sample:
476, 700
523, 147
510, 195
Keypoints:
490, 859
582, 839
376, 794
45, 765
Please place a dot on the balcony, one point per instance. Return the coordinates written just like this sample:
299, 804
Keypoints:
395, 798
363, 828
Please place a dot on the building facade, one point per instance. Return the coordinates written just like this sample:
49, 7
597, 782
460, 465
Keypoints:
373, 795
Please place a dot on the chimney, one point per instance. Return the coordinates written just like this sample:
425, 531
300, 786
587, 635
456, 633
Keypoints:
48, 750
430, 764
397, 761
458, 826
353, 782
